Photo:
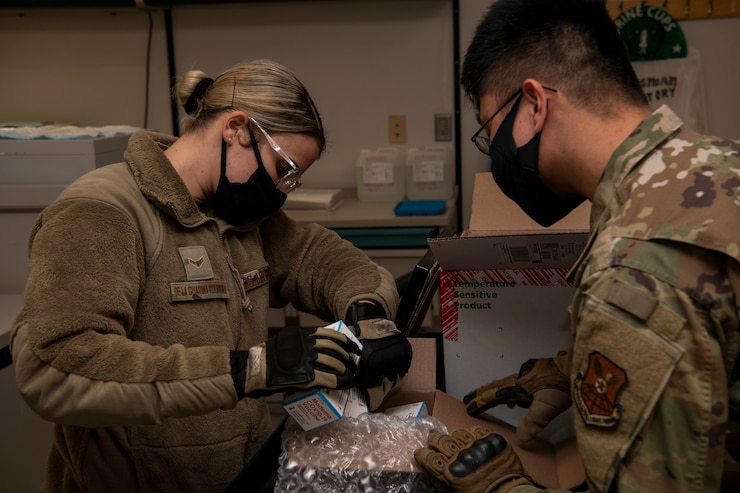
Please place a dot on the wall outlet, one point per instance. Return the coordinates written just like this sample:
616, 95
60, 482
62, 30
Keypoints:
442, 127
397, 129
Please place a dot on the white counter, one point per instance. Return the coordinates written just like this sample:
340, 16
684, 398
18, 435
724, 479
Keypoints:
356, 214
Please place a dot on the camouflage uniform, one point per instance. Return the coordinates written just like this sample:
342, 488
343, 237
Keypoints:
655, 368
655, 316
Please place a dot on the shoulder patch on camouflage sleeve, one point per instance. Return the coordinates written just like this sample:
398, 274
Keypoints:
596, 390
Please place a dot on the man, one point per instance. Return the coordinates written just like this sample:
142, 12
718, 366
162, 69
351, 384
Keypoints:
653, 370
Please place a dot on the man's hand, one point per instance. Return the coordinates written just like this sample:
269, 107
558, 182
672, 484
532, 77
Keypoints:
472, 460
386, 353
295, 359
542, 385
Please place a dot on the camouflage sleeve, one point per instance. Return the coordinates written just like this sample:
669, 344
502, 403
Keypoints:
648, 384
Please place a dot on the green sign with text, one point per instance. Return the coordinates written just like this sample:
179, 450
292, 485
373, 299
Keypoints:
650, 33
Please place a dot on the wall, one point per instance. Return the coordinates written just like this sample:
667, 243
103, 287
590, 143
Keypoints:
87, 68
362, 61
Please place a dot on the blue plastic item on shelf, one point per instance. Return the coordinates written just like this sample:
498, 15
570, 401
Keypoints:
420, 208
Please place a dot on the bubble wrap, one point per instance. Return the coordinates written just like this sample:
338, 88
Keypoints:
373, 453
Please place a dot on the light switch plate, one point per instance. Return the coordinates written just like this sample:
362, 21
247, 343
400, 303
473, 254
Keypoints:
442, 127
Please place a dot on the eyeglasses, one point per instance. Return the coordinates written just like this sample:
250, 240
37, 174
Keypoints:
292, 177
481, 139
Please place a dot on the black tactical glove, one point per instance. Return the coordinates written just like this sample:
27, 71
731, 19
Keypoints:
386, 353
542, 385
473, 460
295, 359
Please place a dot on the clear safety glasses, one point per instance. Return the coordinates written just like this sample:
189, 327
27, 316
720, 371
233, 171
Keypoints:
290, 179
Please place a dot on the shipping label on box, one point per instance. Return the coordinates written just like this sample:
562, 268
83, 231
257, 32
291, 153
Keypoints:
495, 320
413, 410
545, 251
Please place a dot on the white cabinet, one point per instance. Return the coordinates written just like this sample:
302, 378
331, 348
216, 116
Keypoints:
25, 439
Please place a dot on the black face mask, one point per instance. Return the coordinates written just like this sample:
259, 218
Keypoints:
239, 203
515, 170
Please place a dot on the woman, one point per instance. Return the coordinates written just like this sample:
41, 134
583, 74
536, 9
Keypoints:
143, 331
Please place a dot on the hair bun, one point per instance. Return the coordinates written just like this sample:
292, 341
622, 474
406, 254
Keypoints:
200, 90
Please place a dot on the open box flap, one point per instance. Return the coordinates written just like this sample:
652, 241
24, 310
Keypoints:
502, 236
493, 213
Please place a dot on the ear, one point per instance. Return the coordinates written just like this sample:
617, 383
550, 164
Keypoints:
234, 128
536, 96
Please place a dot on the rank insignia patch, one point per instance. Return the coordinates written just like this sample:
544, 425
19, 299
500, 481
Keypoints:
196, 262
596, 391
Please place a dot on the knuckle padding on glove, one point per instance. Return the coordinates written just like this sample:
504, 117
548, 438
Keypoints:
477, 454
480, 460
289, 356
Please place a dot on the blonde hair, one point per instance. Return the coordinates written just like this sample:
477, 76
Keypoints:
266, 90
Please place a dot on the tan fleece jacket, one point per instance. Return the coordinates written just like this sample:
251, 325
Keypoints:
133, 300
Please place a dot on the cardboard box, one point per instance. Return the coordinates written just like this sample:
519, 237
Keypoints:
555, 466
505, 295
413, 410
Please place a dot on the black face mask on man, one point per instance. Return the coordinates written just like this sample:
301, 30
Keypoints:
239, 203
515, 170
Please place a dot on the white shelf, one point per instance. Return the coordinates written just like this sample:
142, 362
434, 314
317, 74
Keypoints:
356, 214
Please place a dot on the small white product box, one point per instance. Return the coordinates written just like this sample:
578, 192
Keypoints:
414, 410
314, 408
356, 404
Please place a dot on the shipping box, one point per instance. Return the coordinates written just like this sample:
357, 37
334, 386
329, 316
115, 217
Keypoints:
555, 466
505, 296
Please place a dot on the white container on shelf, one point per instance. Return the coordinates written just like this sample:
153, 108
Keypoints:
380, 175
429, 174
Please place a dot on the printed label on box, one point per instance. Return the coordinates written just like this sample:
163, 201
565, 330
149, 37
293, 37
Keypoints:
316, 408
414, 410
495, 320
479, 295
356, 404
